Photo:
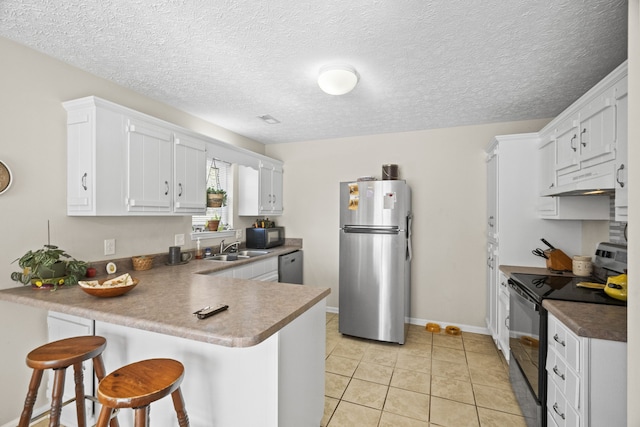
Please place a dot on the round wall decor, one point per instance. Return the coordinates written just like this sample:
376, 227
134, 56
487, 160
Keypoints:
5, 177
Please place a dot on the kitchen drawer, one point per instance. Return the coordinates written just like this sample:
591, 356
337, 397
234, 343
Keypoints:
564, 342
565, 379
562, 413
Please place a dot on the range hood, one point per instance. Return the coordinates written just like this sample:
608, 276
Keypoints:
593, 181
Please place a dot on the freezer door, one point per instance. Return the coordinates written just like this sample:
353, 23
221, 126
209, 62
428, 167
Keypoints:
377, 203
373, 285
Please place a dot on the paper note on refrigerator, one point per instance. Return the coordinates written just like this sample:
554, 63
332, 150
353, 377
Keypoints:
390, 201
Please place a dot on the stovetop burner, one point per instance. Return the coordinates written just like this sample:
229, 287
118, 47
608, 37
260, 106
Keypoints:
563, 288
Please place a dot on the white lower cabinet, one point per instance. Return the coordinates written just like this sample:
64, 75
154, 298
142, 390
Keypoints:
265, 270
586, 379
503, 315
61, 326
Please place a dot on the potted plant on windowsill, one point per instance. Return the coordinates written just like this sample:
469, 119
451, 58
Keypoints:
216, 197
214, 223
49, 267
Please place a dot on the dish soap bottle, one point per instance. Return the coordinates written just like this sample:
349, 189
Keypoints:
198, 249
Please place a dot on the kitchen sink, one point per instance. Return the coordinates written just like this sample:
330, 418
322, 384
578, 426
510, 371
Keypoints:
245, 254
227, 257
252, 253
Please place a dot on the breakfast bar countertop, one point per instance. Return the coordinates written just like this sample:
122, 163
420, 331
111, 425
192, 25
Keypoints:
605, 322
166, 297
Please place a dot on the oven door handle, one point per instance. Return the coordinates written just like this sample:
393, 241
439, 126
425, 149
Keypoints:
515, 290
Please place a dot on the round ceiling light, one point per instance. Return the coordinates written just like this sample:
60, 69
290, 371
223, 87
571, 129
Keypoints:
337, 79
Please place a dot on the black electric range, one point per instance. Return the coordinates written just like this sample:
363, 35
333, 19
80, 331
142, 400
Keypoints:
610, 259
564, 288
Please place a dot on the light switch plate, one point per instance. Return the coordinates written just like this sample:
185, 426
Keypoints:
110, 246
239, 234
179, 239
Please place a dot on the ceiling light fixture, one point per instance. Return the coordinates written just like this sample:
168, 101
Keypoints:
337, 79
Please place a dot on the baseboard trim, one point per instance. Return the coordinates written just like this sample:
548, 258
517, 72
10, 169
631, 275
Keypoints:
14, 423
423, 322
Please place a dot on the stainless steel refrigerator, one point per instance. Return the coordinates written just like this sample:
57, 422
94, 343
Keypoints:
375, 259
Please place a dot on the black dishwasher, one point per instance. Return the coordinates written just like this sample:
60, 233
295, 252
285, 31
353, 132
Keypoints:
290, 268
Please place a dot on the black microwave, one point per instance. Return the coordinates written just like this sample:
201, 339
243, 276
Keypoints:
262, 238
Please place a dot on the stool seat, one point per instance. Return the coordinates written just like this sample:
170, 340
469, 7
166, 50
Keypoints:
66, 352
139, 384
59, 355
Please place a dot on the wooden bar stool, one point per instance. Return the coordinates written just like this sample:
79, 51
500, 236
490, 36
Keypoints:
139, 384
59, 355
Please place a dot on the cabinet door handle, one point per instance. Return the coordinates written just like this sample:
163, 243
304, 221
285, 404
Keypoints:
557, 339
506, 322
620, 169
573, 138
84, 181
179, 189
274, 199
491, 221
582, 139
555, 409
557, 372
166, 188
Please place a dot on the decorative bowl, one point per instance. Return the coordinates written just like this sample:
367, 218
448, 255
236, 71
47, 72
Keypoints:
108, 291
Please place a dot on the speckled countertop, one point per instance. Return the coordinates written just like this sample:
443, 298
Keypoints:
166, 297
606, 322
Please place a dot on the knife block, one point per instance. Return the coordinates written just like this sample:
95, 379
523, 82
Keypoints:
558, 260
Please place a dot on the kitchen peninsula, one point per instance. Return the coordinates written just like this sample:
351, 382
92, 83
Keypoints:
261, 362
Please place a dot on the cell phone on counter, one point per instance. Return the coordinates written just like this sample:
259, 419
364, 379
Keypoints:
209, 311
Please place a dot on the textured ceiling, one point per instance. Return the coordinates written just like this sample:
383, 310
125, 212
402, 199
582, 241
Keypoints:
423, 64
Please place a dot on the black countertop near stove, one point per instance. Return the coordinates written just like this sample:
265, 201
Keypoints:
563, 288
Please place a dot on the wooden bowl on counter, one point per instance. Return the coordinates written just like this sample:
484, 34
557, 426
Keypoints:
108, 291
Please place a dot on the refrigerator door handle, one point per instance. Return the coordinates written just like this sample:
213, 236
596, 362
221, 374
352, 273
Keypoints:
371, 229
409, 249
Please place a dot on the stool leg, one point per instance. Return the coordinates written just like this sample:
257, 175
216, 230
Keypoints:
56, 398
78, 377
30, 400
141, 416
178, 404
103, 418
98, 367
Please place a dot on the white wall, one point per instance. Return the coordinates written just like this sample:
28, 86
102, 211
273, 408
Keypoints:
633, 305
33, 143
446, 170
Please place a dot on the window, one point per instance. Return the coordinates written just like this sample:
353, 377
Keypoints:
219, 177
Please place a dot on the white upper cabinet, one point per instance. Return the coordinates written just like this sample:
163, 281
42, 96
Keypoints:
80, 167
121, 162
189, 174
597, 129
149, 157
587, 140
622, 168
260, 190
492, 193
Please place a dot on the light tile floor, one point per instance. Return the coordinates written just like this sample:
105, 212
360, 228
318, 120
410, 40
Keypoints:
431, 380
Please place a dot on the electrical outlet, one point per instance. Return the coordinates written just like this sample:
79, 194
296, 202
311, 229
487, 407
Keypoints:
110, 246
239, 234
178, 239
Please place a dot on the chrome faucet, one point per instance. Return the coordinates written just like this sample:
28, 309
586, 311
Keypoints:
234, 246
